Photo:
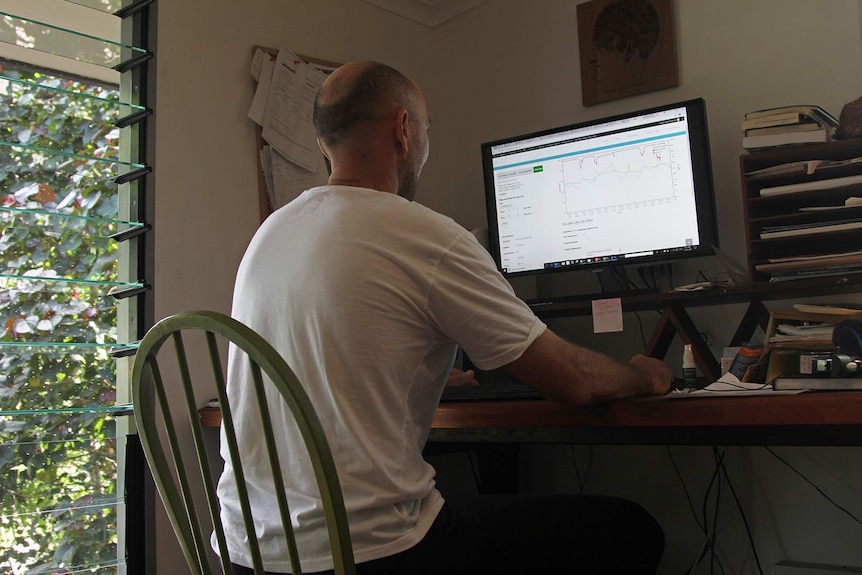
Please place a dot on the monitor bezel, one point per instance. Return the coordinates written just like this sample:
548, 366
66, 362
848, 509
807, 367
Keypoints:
704, 190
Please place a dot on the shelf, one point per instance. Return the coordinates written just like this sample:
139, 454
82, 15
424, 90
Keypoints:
762, 213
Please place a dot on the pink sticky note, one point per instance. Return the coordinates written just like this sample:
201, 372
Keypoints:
607, 315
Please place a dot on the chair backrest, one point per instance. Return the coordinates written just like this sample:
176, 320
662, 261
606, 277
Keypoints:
179, 479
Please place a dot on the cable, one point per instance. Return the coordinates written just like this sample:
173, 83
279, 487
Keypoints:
476, 479
641, 324
582, 482
708, 542
744, 519
719, 460
820, 491
642, 273
685, 489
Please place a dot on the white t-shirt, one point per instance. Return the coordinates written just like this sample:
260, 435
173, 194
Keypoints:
366, 295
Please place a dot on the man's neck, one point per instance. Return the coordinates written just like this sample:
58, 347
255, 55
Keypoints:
361, 182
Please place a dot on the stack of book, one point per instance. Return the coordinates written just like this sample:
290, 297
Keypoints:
800, 124
801, 347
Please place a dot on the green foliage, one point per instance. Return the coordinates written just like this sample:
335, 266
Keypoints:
57, 472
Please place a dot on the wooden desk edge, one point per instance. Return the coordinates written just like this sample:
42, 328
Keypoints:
806, 409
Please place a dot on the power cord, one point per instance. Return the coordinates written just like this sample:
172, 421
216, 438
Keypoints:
713, 558
744, 519
476, 479
685, 489
710, 541
582, 482
809, 482
641, 324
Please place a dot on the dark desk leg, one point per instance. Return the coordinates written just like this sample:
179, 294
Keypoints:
674, 320
755, 316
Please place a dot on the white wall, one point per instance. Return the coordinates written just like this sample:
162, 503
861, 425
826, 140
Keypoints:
511, 67
503, 68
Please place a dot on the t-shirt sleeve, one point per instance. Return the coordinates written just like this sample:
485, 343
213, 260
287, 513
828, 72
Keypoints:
472, 304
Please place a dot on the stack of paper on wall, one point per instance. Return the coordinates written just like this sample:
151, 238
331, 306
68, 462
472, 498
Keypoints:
282, 106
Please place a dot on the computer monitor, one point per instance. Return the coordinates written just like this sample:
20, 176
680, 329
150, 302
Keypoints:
629, 189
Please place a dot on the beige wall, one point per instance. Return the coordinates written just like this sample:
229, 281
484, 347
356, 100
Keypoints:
503, 68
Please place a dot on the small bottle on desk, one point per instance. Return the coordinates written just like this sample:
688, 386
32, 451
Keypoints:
689, 368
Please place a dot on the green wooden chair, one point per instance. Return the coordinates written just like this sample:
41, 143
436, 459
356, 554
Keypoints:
179, 477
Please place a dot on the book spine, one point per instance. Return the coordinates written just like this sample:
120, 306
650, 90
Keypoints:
774, 120
768, 141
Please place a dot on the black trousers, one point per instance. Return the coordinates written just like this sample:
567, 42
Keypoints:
529, 534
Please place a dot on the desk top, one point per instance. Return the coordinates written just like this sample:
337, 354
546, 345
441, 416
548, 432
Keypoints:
814, 418
822, 418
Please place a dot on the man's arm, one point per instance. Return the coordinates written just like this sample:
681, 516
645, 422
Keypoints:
575, 375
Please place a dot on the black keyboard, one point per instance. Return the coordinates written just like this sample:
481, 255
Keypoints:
491, 391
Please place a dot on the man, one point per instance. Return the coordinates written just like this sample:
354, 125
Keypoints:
366, 294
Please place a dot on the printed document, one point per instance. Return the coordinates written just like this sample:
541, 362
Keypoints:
288, 125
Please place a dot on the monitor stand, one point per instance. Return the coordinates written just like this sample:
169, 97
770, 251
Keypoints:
615, 282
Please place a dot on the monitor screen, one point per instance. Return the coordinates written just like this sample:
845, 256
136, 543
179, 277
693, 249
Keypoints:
629, 189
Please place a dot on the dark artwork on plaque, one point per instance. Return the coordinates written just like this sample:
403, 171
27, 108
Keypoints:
627, 47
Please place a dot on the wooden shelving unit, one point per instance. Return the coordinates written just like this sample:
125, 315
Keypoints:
784, 209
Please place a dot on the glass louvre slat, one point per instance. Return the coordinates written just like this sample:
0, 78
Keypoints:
109, 569
55, 379
58, 347
63, 511
84, 494
112, 109
42, 154
60, 41
111, 410
95, 528
73, 122
49, 216
85, 503
83, 291
53, 196
30, 241
107, 6
32, 245
66, 182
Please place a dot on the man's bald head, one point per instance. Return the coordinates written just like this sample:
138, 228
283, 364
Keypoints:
357, 95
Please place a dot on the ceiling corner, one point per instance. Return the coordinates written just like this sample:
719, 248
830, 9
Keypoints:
430, 13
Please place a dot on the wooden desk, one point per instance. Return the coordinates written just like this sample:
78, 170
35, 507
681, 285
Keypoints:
822, 418
833, 418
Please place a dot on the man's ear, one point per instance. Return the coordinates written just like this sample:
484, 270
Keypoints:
402, 131
322, 149
326, 159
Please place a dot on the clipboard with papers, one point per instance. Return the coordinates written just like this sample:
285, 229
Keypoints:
289, 160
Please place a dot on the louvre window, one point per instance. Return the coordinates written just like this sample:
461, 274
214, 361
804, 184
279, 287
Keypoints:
73, 179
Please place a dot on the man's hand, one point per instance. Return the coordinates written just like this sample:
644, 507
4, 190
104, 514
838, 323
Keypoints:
458, 377
656, 369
